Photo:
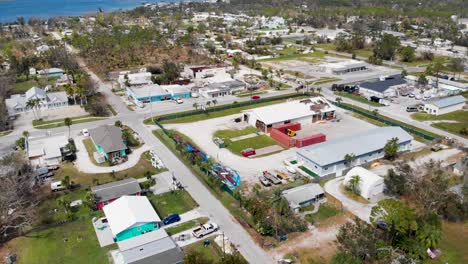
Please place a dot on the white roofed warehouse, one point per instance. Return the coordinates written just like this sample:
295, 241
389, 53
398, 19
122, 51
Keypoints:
329, 157
445, 105
370, 184
304, 111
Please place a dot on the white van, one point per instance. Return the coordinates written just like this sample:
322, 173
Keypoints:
57, 186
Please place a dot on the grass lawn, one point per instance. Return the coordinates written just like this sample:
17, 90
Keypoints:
85, 179
323, 80
47, 124
249, 93
366, 53
453, 128
60, 120
326, 46
353, 196
325, 211
460, 115
23, 86
357, 98
232, 133
62, 244
212, 253
316, 54
177, 202
257, 142
205, 116
453, 244
186, 226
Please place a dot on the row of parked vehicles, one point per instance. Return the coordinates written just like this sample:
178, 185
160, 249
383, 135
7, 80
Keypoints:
277, 177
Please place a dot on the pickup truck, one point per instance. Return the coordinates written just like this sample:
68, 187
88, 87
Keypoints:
204, 230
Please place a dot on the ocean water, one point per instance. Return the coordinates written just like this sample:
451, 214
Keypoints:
11, 9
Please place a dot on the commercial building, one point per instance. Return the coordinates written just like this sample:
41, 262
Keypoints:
370, 184
46, 151
17, 103
445, 105
303, 195
304, 111
382, 88
329, 157
134, 79
218, 89
343, 67
131, 216
155, 93
155, 247
109, 192
108, 142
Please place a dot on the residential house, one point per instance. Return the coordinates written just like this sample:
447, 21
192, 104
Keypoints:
131, 216
109, 192
329, 157
445, 105
108, 141
17, 103
303, 195
46, 151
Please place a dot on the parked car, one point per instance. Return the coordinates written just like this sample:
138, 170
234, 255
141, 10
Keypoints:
57, 186
173, 218
204, 230
85, 132
264, 181
179, 101
248, 152
255, 97
411, 95
413, 108
270, 177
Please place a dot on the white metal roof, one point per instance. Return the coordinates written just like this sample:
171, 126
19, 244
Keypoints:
368, 180
129, 211
333, 151
288, 111
448, 101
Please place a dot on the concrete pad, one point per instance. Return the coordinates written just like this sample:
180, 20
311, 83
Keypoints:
103, 233
267, 150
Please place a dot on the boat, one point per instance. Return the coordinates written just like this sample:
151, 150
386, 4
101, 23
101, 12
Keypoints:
228, 176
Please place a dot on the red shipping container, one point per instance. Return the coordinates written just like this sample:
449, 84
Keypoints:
282, 138
314, 139
292, 126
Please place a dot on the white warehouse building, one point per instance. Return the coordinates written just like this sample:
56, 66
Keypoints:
445, 105
328, 157
343, 67
370, 184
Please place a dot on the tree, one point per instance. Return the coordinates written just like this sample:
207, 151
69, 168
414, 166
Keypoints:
208, 104
195, 105
33, 104
359, 240
68, 122
18, 197
215, 102
422, 80
90, 200
118, 123
375, 112
386, 47
456, 66
339, 100
391, 148
396, 182
400, 218
430, 235
435, 68
404, 73
66, 182
350, 158
353, 184
407, 54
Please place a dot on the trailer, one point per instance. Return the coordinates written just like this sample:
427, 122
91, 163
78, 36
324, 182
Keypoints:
271, 178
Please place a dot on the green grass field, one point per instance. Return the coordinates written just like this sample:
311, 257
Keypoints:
325, 211
47, 124
316, 54
257, 142
232, 133
357, 98
186, 226
212, 253
177, 202
453, 244
23, 86
454, 128
460, 116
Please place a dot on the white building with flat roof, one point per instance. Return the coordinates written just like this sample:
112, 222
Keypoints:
329, 157
445, 105
46, 150
343, 67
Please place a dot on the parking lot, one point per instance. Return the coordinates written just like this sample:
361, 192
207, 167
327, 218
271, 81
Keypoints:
250, 168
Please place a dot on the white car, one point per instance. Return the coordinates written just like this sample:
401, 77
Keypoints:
179, 101
85, 132
290, 169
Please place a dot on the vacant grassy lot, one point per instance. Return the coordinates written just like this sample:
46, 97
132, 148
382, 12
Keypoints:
325, 211
85, 179
177, 202
212, 253
358, 98
23, 86
453, 244
257, 142
460, 116
232, 133
454, 128
186, 226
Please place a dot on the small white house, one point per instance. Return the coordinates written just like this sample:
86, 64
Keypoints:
370, 184
445, 105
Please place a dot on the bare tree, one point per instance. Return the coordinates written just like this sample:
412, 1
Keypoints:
17, 196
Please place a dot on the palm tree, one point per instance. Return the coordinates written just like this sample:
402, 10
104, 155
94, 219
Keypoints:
215, 102
353, 184
66, 182
195, 105
429, 236
339, 100
81, 93
375, 112
319, 89
33, 103
350, 158
68, 122
208, 103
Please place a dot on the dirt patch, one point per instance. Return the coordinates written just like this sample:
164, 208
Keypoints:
322, 239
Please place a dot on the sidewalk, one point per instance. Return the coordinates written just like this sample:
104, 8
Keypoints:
84, 164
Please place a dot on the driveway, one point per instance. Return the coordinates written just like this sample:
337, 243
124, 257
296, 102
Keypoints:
360, 210
84, 164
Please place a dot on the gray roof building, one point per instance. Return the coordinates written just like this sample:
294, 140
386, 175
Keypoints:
116, 189
382, 86
448, 101
151, 248
108, 137
17, 103
303, 195
334, 151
